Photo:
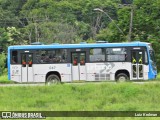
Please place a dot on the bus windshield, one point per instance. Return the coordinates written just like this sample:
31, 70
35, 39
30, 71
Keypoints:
152, 56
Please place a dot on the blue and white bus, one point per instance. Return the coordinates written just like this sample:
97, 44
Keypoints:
87, 62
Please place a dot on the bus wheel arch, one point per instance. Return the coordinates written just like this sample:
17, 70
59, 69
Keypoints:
53, 77
122, 75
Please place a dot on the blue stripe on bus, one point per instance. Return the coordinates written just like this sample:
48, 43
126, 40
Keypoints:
78, 45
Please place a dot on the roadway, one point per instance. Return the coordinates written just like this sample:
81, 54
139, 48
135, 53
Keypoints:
82, 83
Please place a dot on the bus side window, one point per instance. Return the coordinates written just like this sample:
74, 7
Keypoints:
116, 54
146, 58
14, 58
97, 55
51, 56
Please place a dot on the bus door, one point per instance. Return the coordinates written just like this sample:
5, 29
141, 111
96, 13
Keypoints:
78, 65
27, 70
137, 64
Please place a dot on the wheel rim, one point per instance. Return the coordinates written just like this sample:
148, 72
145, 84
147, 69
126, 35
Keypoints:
122, 78
52, 80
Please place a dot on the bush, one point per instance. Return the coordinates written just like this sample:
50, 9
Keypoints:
2, 63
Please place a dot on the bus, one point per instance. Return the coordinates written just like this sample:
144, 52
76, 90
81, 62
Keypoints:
56, 63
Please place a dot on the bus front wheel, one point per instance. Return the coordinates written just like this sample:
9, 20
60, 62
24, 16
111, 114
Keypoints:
122, 77
52, 79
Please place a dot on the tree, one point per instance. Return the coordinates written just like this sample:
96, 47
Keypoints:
2, 63
10, 36
9, 10
5, 39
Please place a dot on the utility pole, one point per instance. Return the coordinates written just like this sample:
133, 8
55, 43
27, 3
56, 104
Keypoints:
128, 3
98, 9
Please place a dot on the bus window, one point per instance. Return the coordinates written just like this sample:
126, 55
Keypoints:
116, 54
82, 58
51, 56
146, 58
14, 57
134, 61
152, 56
30, 57
64, 55
140, 56
97, 55
23, 60
75, 59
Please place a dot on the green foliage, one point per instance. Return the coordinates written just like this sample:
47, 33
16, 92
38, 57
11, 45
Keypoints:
77, 14
85, 97
146, 24
9, 12
5, 36
4, 78
10, 36
81, 16
2, 63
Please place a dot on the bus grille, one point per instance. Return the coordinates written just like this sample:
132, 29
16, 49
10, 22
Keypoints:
102, 76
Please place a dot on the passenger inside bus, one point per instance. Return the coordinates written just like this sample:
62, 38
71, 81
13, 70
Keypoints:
75, 61
14, 59
82, 62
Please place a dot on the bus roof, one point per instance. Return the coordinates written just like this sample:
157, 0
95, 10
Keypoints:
87, 45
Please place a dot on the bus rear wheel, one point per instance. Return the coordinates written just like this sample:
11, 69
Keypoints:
52, 79
122, 77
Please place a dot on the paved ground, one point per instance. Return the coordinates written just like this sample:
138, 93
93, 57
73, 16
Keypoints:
6, 85
43, 84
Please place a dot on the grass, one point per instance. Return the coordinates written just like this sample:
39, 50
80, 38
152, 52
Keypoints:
4, 80
103, 96
82, 97
158, 76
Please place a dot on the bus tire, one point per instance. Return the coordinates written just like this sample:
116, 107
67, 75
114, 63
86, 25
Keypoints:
122, 77
52, 79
